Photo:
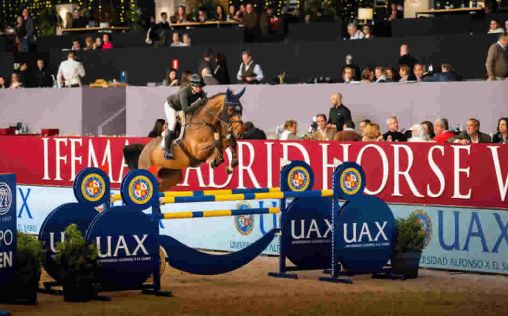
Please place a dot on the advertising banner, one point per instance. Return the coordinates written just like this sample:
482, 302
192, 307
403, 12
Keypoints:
7, 226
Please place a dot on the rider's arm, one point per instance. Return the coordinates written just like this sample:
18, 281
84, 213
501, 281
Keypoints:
184, 100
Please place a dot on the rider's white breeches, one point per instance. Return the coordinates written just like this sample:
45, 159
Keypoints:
170, 119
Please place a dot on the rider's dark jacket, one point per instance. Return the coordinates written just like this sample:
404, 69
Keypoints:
185, 99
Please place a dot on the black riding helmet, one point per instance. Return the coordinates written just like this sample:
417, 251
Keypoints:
196, 81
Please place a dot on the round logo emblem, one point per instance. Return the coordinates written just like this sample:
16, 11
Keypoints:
5, 198
93, 187
244, 223
427, 224
298, 179
350, 181
140, 189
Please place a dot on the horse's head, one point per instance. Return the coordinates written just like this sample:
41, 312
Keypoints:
232, 113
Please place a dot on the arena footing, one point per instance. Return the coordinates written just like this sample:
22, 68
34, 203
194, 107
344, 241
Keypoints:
283, 275
333, 279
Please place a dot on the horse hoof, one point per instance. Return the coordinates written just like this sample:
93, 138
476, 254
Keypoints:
229, 170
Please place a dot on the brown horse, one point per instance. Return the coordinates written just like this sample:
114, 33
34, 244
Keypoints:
207, 133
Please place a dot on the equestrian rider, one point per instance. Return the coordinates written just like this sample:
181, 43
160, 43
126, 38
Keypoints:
187, 99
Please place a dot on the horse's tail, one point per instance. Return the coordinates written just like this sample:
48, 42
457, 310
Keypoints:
131, 154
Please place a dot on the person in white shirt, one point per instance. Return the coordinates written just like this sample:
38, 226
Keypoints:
354, 32
290, 129
70, 72
249, 72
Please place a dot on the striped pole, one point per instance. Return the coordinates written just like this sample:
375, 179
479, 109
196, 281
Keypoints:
118, 197
247, 196
220, 213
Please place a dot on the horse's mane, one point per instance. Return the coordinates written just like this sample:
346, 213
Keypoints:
217, 95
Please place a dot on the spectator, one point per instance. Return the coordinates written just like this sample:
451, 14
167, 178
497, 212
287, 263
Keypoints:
428, 128
70, 72
395, 13
208, 77
206, 62
181, 15
418, 134
186, 40
349, 62
393, 134
76, 45
42, 76
22, 72
290, 129
380, 75
442, 131
354, 32
418, 72
97, 44
68, 20
171, 78
231, 13
367, 75
158, 128
185, 78
252, 132
471, 135
348, 134
495, 27
502, 132
221, 70
240, 13
506, 26
250, 22
28, 24
88, 43
404, 73
497, 59
249, 71
367, 32
338, 114
348, 74
107, 44
157, 33
175, 40
364, 124
3, 84
323, 131
20, 33
264, 23
220, 14
15, 82
80, 21
372, 133
405, 58
201, 15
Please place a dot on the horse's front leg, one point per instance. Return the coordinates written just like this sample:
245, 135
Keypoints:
219, 156
234, 154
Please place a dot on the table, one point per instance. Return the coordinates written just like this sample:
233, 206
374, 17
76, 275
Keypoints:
207, 23
451, 11
97, 29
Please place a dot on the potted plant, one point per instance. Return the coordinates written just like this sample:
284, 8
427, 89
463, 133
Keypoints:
78, 266
408, 247
23, 288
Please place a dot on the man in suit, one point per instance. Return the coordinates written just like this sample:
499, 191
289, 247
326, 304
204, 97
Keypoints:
471, 135
323, 132
252, 132
393, 134
497, 59
348, 134
447, 74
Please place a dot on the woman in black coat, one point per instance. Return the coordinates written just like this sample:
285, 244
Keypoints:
221, 70
159, 127
502, 131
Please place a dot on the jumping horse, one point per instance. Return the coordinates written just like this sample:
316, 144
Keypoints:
207, 133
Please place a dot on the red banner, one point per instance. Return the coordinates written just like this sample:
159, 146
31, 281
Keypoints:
409, 173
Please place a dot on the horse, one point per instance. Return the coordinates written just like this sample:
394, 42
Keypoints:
207, 132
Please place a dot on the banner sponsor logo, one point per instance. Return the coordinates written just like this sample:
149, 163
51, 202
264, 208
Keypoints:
5, 198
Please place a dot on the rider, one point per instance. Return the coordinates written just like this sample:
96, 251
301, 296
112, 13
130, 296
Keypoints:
187, 99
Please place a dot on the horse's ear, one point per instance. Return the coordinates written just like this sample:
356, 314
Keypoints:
229, 94
239, 95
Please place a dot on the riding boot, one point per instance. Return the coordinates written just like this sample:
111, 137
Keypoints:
168, 154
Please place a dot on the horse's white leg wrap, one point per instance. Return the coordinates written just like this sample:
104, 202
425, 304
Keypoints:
170, 118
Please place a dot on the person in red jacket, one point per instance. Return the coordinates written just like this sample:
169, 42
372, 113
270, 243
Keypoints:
441, 129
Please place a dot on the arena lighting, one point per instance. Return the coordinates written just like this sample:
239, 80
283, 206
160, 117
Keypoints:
365, 14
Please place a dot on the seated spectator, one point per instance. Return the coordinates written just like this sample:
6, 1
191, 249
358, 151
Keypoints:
76, 45
497, 59
348, 134
252, 132
405, 58
220, 14
175, 40
202, 17
208, 77
231, 12
206, 62
372, 133
290, 129
494, 27
221, 69
367, 32
42, 76
171, 79
364, 124
180, 16
249, 71
240, 13
23, 75
80, 21
446, 74
354, 32
395, 12
367, 75
70, 72
348, 74
380, 75
349, 62
339, 114
88, 43
418, 72
107, 44
418, 134
3, 84
404, 73
15, 82
186, 40
158, 128
393, 134
323, 131
97, 44
428, 127
502, 132
442, 131
471, 135
391, 76
185, 77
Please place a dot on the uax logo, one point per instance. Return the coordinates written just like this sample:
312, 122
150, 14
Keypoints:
426, 222
244, 223
5, 198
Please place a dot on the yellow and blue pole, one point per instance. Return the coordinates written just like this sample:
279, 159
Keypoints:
220, 213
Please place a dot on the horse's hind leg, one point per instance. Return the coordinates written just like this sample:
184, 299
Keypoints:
169, 179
